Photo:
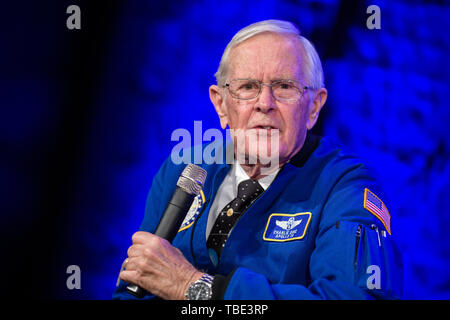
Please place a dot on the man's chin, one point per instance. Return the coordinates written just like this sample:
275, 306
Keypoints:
267, 161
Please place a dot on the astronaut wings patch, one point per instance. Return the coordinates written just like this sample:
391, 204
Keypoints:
288, 225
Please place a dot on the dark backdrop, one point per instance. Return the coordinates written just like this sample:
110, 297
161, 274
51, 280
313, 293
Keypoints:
87, 116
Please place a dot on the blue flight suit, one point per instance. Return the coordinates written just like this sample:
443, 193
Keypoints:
308, 236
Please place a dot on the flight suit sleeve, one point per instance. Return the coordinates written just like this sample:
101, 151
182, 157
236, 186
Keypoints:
354, 257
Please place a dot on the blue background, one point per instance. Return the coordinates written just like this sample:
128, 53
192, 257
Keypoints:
87, 117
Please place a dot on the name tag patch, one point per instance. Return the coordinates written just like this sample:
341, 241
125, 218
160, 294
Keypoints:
287, 227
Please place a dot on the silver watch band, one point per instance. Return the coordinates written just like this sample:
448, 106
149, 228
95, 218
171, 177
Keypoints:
206, 278
200, 289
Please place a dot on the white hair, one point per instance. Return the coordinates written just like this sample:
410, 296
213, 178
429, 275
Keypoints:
312, 67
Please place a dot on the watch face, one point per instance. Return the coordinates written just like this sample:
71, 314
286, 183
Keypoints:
199, 291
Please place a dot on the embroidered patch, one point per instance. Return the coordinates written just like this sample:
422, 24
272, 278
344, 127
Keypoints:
375, 206
287, 227
193, 212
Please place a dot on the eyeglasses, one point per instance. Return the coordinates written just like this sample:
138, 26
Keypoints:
282, 90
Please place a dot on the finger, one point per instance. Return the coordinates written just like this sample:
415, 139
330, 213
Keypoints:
133, 264
142, 237
129, 276
134, 278
147, 238
135, 250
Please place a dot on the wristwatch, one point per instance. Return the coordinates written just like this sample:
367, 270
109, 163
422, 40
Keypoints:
200, 289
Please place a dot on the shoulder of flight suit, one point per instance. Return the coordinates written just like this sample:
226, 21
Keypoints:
353, 244
353, 257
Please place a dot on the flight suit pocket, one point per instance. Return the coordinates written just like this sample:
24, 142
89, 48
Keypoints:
369, 258
361, 249
360, 254
337, 251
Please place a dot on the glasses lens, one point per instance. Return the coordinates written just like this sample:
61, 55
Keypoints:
244, 89
285, 90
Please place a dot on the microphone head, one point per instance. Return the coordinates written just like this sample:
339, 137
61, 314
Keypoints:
192, 179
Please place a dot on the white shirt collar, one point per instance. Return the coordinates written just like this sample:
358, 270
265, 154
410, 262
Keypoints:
240, 175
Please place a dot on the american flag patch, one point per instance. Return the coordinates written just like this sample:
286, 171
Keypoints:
377, 208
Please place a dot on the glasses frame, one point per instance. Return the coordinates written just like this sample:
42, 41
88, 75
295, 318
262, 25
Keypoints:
300, 88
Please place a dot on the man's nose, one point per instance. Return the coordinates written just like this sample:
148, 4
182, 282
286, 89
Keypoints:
266, 101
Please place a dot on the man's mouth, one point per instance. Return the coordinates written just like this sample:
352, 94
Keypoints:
264, 127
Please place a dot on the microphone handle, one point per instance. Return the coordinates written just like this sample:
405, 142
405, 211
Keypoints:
169, 225
174, 214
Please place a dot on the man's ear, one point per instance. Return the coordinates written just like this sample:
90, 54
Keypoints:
215, 94
320, 96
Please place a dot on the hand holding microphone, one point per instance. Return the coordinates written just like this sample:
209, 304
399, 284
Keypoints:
156, 266
152, 261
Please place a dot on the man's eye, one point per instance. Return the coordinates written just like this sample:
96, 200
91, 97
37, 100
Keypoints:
248, 86
286, 85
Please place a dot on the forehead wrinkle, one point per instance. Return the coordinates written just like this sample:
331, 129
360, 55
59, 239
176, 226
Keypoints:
251, 59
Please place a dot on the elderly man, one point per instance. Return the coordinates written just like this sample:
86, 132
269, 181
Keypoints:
313, 227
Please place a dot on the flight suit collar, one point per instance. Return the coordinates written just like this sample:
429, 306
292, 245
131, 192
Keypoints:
310, 144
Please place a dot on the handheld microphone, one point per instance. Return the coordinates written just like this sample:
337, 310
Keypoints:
189, 185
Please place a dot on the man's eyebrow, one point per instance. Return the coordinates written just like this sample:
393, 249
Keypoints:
284, 78
279, 78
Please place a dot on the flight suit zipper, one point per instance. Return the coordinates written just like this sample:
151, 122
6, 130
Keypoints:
358, 239
374, 227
